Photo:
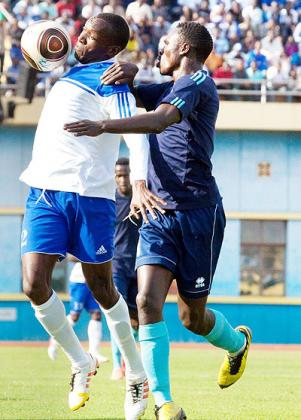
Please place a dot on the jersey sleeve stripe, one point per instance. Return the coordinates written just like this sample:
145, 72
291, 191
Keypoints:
201, 80
123, 105
78, 84
119, 105
127, 104
174, 101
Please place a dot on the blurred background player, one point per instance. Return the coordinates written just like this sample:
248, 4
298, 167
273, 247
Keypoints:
125, 248
82, 298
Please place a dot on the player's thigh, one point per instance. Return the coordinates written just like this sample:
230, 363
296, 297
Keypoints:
44, 227
93, 232
202, 237
157, 246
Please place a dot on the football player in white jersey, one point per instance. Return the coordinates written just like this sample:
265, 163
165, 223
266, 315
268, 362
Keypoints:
71, 209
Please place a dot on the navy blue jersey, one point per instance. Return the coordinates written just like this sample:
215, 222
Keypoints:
126, 237
180, 169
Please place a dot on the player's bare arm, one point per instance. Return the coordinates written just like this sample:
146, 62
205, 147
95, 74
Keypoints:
150, 122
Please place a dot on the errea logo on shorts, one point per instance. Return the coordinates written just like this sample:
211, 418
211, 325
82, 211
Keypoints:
199, 283
101, 250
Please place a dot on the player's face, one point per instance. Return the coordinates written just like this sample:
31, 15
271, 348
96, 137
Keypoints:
122, 177
169, 58
93, 44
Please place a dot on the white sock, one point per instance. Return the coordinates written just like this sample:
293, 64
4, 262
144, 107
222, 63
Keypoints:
118, 321
52, 316
94, 334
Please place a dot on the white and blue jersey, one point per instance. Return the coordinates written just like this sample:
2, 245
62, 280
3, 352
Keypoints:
84, 165
70, 208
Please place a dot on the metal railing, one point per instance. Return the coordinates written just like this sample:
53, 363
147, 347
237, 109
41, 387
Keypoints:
229, 89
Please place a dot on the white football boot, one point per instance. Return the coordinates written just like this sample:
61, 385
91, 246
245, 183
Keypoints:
136, 399
100, 357
80, 381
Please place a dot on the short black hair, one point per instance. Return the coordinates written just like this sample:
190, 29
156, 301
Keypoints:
119, 29
123, 161
198, 37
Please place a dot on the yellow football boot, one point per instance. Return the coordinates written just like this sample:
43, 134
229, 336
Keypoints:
233, 366
170, 411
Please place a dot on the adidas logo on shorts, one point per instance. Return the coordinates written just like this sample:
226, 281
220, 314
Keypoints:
101, 250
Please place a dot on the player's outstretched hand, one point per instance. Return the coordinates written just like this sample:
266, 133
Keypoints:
85, 128
144, 200
120, 73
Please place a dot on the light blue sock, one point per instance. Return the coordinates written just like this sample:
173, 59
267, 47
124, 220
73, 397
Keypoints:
116, 355
154, 343
135, 334
224, 336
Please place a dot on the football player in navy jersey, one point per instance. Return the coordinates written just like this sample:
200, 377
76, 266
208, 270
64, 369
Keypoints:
71, 209
184, 242
125, 248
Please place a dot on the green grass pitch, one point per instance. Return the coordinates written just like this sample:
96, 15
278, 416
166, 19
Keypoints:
33, 387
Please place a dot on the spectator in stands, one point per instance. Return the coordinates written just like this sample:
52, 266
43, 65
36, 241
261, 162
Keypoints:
290, 46
296, 58
159, 9
271, 45
115, 7
139, 11
240, 72
223, 72
257, 56
90, 9
47, 6
66, 8
254, 73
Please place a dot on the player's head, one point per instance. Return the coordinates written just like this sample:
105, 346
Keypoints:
102, 37
122, 176
188, 39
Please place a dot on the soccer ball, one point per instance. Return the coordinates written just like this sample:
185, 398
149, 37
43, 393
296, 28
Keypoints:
45, 45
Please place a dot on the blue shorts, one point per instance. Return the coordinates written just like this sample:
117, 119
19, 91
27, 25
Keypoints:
127, 287
81, 298
187, 243
58, 223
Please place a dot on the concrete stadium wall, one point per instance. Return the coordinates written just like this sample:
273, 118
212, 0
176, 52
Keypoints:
237, 154
17, 322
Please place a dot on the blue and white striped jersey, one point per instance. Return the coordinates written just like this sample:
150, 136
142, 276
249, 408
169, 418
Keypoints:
85, 165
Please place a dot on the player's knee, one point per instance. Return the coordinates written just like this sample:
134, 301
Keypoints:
36, 288
147, 305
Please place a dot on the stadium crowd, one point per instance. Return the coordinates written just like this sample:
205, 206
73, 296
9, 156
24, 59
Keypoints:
254, 40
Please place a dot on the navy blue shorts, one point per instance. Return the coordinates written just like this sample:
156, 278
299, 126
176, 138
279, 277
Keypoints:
127, 286
81, 298
187, 243
58, 223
